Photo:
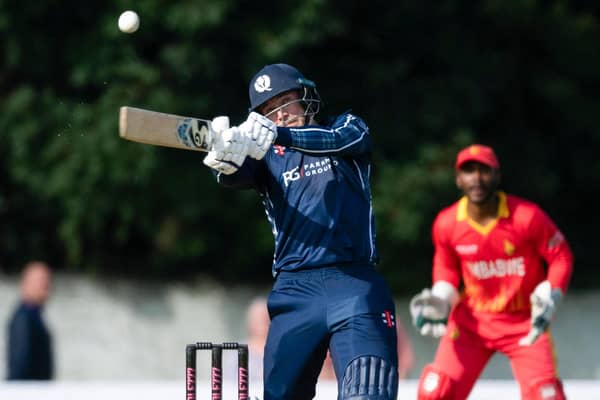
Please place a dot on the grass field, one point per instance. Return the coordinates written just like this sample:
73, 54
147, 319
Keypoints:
484, 390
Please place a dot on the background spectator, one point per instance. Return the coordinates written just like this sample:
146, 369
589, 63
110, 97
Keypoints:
257, 325
29, 341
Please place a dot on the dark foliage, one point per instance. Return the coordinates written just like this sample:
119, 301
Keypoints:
428, 77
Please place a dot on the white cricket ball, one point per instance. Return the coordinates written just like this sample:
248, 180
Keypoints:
129, 21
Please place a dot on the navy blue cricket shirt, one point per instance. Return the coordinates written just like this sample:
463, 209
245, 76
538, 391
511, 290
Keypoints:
314, 185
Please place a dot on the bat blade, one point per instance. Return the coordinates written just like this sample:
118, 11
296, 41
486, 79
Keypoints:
161, 129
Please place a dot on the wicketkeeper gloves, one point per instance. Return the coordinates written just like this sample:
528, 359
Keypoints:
544, 301
430, 308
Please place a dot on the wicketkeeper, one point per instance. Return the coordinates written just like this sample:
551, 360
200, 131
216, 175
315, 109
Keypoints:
512, 266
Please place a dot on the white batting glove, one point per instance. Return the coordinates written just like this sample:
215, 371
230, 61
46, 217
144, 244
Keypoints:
262, 133
430, 308
544, 301
218, 125
228, 150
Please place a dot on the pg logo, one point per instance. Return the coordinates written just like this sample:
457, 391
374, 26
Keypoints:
291, 175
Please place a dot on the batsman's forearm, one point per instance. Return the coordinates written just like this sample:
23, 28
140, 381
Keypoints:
348, 136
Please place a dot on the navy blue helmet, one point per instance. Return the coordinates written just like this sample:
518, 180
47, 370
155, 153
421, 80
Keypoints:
275, 79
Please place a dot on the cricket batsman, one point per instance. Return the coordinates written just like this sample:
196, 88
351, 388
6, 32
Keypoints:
512, 266
313, 179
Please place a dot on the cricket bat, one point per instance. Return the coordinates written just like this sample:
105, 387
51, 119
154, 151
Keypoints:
170, 130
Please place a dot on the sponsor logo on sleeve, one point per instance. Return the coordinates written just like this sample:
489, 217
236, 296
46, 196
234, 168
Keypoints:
556, 240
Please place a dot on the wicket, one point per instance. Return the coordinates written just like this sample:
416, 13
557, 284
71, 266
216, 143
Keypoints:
216, 374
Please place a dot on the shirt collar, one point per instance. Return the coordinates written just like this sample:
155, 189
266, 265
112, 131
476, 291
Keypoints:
503, 211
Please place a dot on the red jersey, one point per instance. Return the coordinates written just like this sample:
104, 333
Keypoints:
501, 263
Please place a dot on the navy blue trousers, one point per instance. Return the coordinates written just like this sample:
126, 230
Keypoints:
349, 310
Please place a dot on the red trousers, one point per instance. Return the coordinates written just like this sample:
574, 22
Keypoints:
470, 341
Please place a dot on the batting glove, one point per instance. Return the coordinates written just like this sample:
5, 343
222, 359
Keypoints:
544, 301
430, 309
261, 132
228, 150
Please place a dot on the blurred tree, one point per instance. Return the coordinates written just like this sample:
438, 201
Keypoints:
428, 77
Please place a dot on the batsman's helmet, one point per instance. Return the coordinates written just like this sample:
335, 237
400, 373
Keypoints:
275, 79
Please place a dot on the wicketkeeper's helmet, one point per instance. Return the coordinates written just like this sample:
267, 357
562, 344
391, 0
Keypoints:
276, 79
